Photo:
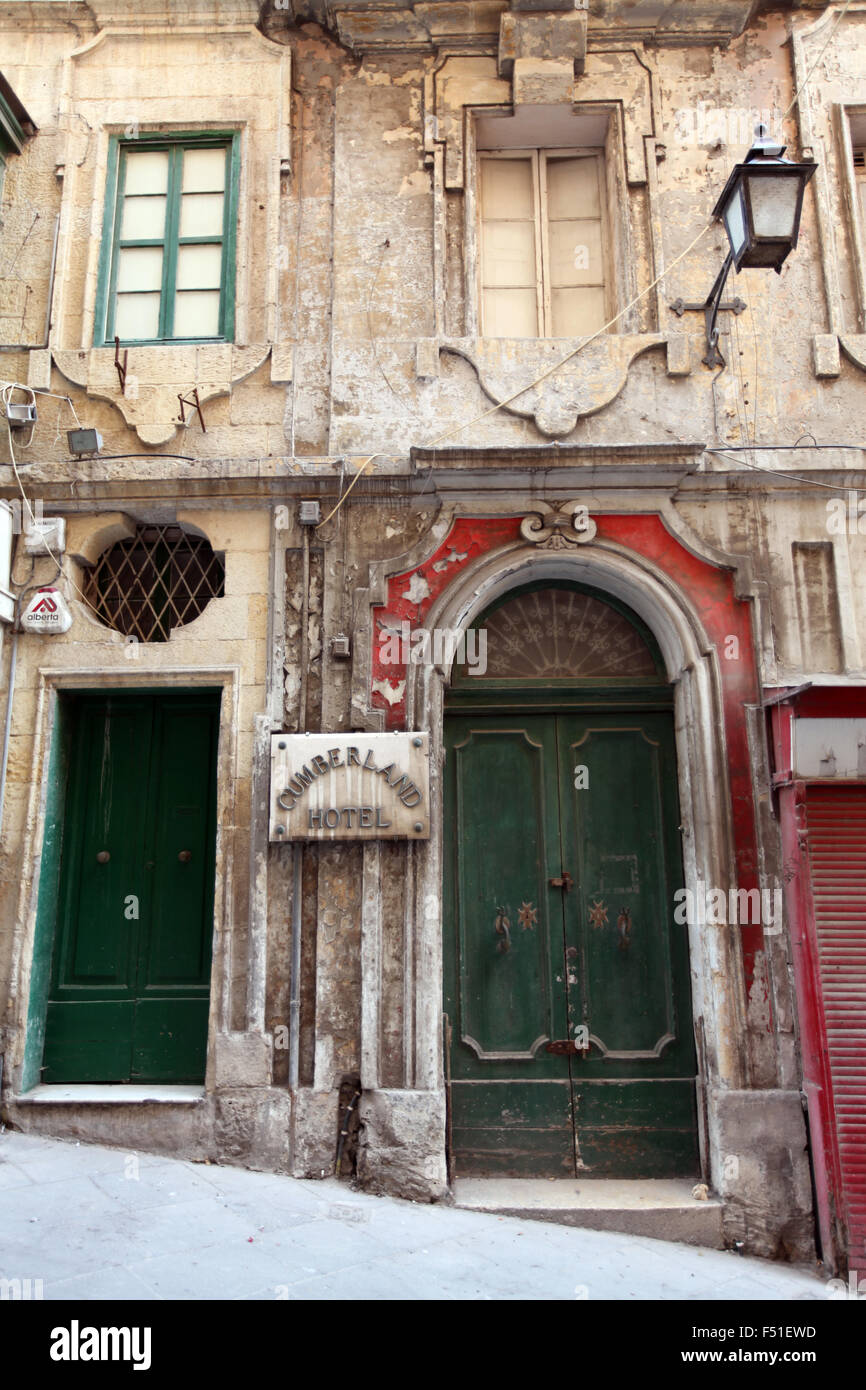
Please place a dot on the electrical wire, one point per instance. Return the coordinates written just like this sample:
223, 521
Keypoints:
777, 473
364, 466
841, 15
5, 393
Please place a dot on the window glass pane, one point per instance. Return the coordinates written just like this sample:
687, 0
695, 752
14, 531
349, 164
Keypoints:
774, 204
510, 313
146, 171
506, 188
196, 314
140, 268
201, 214
143, 219
576, 312
204, 171
575, 253
199, 267
572, 188
137, 316
508, 253
735, 221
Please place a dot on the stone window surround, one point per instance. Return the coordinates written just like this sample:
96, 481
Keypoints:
617, 250
459, 92
261, 123
851, 124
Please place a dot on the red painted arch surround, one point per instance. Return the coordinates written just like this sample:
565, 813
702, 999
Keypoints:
709, 589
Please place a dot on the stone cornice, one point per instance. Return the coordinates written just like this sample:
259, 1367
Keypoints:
369, 25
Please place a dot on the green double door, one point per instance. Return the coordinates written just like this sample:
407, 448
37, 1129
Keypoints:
130, 977
567, 981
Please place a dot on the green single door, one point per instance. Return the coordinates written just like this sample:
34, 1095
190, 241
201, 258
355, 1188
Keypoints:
562, 837
131, 969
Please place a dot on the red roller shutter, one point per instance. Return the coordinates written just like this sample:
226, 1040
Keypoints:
837, 850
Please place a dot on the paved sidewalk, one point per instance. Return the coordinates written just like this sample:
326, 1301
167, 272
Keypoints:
95, 1223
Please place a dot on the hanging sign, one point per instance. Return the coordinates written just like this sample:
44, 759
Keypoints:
350, 787
47, 612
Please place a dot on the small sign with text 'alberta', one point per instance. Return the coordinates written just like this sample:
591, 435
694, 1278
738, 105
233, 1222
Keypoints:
47, 612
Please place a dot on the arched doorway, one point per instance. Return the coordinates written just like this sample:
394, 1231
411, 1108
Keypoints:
566, 976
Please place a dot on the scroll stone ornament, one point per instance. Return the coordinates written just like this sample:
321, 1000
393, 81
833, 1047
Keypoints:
558, 528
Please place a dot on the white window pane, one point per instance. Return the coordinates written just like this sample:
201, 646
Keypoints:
204, 171
576, 312
774, 204
861, 188
196, 314
137, 316
572, 188
201, 214
510, 313
735, 221
575, 253
506, 188
140, 268
143, 219
146, 171
508, 254
199, 267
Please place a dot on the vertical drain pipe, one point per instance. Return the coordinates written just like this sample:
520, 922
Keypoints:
297, 848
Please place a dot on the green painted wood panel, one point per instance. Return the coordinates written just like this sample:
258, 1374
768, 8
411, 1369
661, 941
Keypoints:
504, 1004
130, 982
608, 950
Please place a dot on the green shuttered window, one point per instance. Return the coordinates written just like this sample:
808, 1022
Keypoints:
167, 269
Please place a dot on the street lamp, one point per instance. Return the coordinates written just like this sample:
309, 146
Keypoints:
760, 207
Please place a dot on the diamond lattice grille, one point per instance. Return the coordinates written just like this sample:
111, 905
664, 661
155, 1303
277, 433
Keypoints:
157, 580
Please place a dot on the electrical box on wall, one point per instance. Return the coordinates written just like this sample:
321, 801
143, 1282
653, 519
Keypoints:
46, 537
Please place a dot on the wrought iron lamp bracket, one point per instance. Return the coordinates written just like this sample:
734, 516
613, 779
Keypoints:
711, 308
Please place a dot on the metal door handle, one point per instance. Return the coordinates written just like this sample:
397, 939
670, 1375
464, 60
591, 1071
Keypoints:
503, 927
103, 856
185, 856
566, 881
623, 926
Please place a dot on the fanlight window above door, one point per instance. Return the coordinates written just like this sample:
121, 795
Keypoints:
157, 580
559, 634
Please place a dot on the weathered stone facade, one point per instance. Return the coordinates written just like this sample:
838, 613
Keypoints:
358, 354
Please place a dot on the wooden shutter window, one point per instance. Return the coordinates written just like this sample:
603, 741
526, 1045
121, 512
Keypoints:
543, 252
574, 217
509, 247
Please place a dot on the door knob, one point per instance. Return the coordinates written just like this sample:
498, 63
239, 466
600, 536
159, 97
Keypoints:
103, 856
185, 856
566, 881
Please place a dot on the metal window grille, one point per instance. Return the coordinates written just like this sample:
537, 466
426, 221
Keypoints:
157, 580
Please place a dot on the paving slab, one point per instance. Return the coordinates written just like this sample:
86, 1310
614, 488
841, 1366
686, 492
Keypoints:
97, 1223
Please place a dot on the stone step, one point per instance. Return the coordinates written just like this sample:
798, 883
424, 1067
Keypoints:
663, 1208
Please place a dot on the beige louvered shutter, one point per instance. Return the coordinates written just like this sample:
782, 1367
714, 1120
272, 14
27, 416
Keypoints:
509, 247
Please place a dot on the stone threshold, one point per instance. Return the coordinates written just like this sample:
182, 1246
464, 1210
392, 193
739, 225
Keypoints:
662, 1208
111, 1095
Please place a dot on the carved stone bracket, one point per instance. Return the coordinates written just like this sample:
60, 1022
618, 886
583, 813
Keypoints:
586, 383
558, 528
148, 402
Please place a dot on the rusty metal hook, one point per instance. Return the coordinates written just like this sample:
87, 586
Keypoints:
503, 927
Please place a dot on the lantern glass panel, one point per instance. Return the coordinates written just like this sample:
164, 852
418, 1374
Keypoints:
735, 222
774, 205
